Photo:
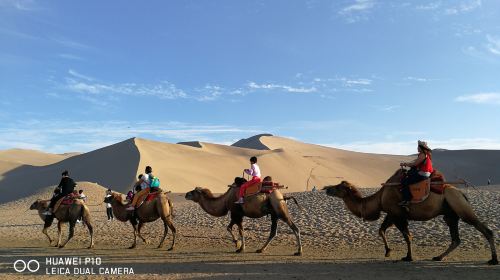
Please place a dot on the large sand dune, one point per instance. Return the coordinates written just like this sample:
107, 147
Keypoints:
183, 166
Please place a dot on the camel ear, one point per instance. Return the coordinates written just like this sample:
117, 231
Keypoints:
198, 189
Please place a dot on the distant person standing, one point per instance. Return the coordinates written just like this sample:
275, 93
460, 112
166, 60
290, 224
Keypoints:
83, 197
109, 209
489, 181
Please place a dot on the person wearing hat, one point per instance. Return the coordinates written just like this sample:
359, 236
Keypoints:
420, 169
66, 186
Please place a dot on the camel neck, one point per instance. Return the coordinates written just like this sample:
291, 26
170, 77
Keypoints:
367, 208
215, 206
119, 211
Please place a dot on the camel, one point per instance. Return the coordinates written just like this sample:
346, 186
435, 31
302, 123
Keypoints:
64, 214
452, 204
149, 211
255, 206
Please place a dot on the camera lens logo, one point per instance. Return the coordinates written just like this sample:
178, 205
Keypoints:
22, 266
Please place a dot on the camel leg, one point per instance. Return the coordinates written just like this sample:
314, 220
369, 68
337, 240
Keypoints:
170, 224
452, 222
242, 236
402, 225
91, 232
488, 234
139, 227
44, 231
296, 231
71, 233
230, 229
59, 233
134, 225
274, 231
387, 223
165, 232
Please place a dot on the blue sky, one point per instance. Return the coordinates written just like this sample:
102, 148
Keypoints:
364, 75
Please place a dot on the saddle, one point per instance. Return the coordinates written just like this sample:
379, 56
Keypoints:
149, 196
262, 187
421, 190
66, 200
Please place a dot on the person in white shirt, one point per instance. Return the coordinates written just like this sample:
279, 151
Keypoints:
109, 209
254, 171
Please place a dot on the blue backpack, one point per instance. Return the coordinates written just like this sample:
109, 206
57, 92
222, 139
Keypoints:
154, 182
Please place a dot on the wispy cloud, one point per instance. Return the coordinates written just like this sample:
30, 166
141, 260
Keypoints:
70, 43
285, 88
66, 136
70, 56
22, 5
464, 7
410, 147
493, 44
357, 10
481, 98
429, 6
80, 76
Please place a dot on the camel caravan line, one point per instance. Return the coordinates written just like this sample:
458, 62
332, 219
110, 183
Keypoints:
431, 198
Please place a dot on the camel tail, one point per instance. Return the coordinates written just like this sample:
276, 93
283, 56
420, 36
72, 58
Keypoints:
294, 200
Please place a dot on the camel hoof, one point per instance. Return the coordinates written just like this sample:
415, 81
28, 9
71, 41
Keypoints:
407, 259
437, 259
132, 247
493, 262
259, 251
61, 246
298, 254
170, 249
240, 250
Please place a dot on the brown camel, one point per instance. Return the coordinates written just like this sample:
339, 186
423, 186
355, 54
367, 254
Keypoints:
65, 214
255, 206
452, 204
149, 211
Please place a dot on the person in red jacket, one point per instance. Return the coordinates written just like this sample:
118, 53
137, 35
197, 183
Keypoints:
420, 169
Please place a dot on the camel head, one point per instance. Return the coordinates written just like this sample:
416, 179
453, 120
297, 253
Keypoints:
113, 197
39, 204
194, 195
341, 190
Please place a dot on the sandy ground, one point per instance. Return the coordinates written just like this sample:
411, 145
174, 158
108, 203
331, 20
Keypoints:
337, 245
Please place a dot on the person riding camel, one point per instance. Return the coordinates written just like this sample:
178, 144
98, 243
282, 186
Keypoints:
145, 183
420, 169
254, 171
66, 186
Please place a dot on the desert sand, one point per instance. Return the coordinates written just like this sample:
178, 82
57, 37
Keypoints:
337, 245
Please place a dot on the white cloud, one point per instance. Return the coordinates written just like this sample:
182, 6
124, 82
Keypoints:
493, 45
285, 88
70, 56
357, 10
80, 76
22, 5
410, 147
464, 7
357, 82
66, 136
481, 98
430, 6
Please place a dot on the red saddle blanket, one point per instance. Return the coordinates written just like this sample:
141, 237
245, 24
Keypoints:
437, 178
151, 196
68, 199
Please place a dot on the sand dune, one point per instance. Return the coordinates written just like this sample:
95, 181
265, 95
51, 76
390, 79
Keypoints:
183, 166
32, 157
